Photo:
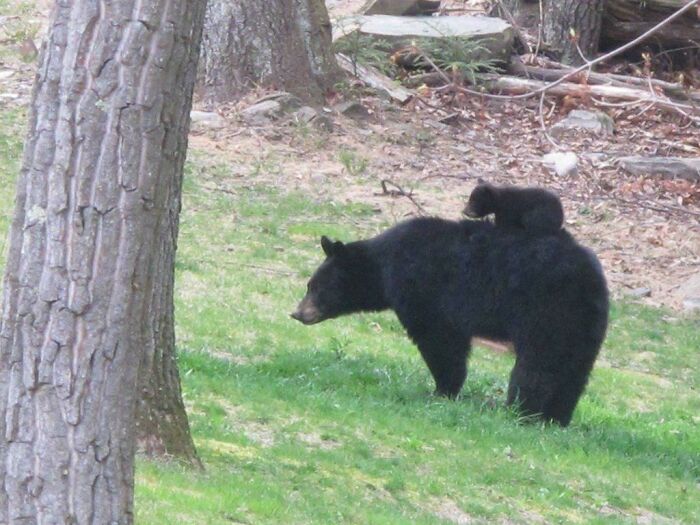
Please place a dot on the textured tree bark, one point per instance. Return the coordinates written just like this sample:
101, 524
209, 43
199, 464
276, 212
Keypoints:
285, 44
584, 17
98, 191
162, 428
625, 20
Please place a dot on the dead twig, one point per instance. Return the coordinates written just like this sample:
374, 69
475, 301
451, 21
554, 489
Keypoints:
465, 177
220, 189
398, 191
656, 206
543, 125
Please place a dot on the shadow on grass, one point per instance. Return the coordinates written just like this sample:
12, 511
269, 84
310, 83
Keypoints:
379, 388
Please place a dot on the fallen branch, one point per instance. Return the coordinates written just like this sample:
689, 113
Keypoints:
515, 86
657, 206
467, 176
669, 89
399, 192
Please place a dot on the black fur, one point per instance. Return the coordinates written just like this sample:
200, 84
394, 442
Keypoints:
535, 210
449, 281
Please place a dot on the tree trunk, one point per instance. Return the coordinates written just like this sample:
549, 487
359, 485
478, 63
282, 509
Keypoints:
284, 44
583, 18
162, 429
625, 20
98, 191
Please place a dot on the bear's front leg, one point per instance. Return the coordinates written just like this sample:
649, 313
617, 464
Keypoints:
445, 352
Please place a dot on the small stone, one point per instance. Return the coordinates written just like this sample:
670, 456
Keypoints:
596, 122
691, 305
262, 113
640, 292
305, 114
353, 110
287, 101
207, 119
690, 293
562, 162
323, 123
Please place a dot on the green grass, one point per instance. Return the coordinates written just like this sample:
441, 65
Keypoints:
336, 423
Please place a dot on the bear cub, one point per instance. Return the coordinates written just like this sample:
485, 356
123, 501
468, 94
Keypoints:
535, 210
450, 281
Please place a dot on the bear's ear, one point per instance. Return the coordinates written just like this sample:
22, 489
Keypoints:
331, 248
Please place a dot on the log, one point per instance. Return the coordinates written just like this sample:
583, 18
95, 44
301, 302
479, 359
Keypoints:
515, 85
670, 89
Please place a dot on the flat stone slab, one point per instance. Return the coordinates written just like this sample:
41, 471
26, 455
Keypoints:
494, 34
665, 167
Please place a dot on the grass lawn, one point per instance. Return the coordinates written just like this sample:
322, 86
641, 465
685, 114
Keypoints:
336, 423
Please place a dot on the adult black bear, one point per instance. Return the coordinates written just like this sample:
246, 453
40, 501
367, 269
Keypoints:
535, 210
449, 281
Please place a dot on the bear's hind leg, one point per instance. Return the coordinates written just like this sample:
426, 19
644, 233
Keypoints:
570, 386
552, 395
530, 387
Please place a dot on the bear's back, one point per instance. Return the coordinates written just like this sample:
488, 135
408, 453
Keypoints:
490, 276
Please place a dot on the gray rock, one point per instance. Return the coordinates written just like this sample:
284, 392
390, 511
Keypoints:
287, 101
262, 113
494, 35
323, 123
690, 293
665, 167
640, 292
401, 7
595, 122
692, 304
309, 115
352, 109
305, 114
207, 119
562, 162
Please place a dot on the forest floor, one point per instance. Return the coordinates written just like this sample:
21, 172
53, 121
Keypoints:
336, 423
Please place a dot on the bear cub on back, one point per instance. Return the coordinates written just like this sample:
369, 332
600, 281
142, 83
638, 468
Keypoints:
535, 210
450, 281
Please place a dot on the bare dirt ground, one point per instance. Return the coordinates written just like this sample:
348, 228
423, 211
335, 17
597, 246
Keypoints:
645, 231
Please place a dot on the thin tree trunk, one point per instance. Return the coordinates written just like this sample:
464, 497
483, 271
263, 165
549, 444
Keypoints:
98, 189
583, 18
284, 44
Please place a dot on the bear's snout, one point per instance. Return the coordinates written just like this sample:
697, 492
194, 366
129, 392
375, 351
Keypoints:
306, 313
469, 211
